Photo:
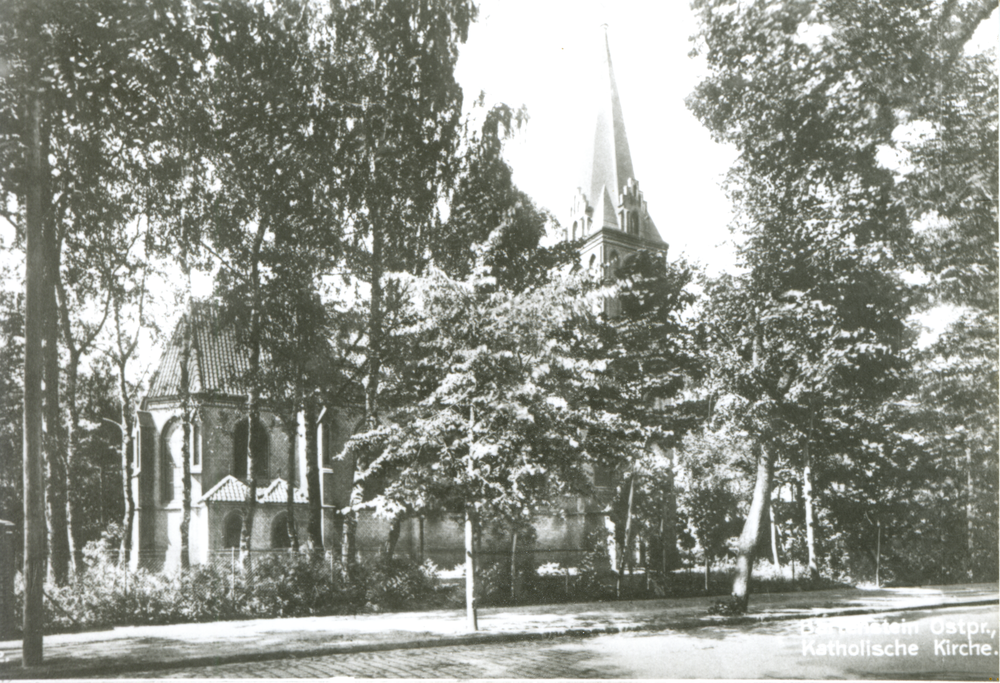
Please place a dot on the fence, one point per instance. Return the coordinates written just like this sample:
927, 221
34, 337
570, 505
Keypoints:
8, 567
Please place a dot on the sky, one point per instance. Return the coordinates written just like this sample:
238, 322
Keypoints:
545, 55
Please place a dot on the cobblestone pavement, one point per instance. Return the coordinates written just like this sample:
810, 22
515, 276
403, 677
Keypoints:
958, 643
564, 657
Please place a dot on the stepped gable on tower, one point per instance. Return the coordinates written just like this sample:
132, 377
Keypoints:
609, 210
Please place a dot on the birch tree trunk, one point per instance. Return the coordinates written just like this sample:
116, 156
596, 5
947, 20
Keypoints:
293, 533
515, 579
471, 621
470, 537
127, 457
807, 496
35, 549
315, 523
55, 466
774, 535
72, 445
970, 524
750, 537
187, 323
253, 399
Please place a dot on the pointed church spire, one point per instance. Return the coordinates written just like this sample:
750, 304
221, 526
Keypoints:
609, 211
611, 163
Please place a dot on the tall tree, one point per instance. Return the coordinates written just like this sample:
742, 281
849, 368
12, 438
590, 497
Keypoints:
399, 59
808, 92
653, 360
94, 71
505, 429
490, 221
79, 335
947, 177
275, 145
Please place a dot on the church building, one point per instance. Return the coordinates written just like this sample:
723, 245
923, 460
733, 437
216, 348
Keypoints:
609, 214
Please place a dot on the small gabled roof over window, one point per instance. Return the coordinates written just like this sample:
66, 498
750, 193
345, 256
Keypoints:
228, 490
277, 492
232, 490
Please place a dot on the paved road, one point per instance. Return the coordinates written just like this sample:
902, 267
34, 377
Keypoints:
942, 644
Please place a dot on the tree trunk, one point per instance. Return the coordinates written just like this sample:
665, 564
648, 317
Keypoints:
72, 445
55, 466
708, 565
34, 368
878, 556
623, 552
185, 389
807, 496
668, 526
127, 455
774, 535
253, 399
393, 538
72, 430
470, 570
348, 551
371, 390
293, 532
315, 522
470, 536
250, 502
188, 322
750, 537
515, 578
970, 524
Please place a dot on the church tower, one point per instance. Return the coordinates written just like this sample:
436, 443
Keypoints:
608, 210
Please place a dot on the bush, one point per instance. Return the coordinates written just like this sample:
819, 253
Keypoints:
494, 582
590, 582
279, 585
393, 583
293, 585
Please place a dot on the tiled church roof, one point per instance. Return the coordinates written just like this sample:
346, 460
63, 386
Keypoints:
232, 490
217, 363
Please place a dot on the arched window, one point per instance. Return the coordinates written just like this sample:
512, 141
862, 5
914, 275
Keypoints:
324, 437
590, 264
233, 530
195, 445
633, 223
280, 538
170, 459
575, 225
261, 449
612, 264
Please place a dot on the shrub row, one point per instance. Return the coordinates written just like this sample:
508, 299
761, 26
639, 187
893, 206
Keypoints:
292, 585
301, 584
